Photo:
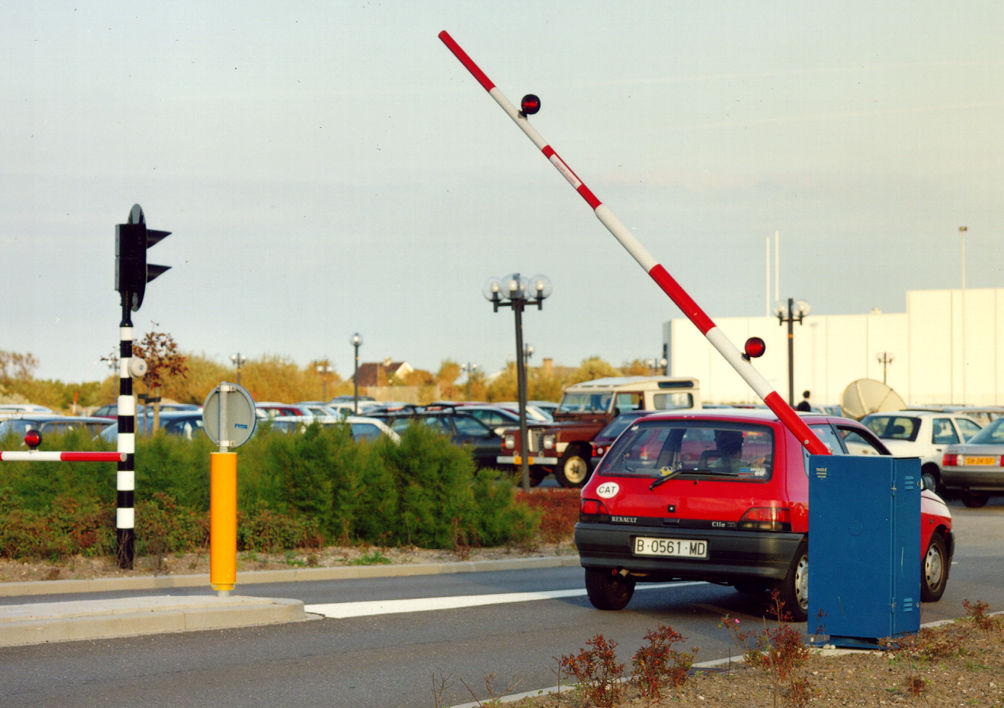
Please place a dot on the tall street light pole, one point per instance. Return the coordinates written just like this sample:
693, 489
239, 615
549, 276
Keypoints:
355, 341
796, 312
469, 370
884, 358
238, 360
516, 292
324, 370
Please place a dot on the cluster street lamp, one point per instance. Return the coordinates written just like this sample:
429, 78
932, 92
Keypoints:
238, 360
324, 370
355, 341
796, 311
527, 353
884, 358
657, 365
469, 369
516, 292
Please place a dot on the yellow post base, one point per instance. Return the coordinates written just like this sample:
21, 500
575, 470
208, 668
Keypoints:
223, 521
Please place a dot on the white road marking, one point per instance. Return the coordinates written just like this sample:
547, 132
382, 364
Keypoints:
366, 608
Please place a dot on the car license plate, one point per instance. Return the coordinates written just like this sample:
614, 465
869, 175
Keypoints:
978, 460
676, 547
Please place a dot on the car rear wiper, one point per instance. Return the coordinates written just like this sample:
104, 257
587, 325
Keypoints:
665, 474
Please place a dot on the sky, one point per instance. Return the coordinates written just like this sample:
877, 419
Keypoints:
328, 168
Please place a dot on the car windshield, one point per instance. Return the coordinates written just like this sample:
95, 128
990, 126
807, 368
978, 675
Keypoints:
585, 403
993, 434
893, 427
692, 449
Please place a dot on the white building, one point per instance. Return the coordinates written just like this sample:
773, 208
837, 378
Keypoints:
947, 348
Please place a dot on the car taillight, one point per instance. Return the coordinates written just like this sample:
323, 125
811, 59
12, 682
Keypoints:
598, 450
766, 518
949, 460
590, 509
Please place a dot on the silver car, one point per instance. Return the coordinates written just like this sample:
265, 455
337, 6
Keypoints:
976, 468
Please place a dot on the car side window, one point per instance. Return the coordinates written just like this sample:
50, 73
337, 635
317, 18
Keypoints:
470, 427
857, 443
943, 432
826, 436
967, 428
628, 402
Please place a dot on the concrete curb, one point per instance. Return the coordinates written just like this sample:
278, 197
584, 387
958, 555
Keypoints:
292, 575
38, 623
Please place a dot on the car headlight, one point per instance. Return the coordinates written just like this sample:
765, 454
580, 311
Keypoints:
549, 442
509, 441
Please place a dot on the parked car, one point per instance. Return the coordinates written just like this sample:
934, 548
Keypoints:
460, 428
976, 467
49, 424
605, 438
533, 413
923, 434
270, 409
360, 427
181, 423
9, 410
722, 496
495, 417
111, 410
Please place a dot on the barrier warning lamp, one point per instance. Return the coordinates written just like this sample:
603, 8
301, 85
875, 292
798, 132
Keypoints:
132, 272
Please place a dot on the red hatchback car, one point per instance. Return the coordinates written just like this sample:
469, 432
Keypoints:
722, 497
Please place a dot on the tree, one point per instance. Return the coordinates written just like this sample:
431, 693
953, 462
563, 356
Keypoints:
15, 366
593, 368
163, 361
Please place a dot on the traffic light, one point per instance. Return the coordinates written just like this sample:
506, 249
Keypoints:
132, 272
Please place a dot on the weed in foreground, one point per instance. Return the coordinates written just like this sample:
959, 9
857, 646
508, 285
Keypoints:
657, 663
597, 672
776, 650
374, 557
987, 623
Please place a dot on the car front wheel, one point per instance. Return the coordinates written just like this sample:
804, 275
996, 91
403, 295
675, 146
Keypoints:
794, 589
934, 570
608, 589
573, 469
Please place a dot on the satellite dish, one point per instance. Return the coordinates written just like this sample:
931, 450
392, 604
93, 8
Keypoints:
866, 396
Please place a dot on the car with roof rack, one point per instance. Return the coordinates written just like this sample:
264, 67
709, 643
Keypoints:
564, 447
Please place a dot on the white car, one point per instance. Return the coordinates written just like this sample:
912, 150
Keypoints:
923, 434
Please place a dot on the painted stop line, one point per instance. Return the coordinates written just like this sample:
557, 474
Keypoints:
366, 608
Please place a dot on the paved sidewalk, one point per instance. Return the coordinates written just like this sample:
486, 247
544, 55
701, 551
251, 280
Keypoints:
41, 622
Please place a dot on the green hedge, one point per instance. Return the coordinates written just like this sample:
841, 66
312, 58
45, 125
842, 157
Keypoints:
306, 490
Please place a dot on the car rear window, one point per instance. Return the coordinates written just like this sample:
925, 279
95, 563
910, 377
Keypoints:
694, 450
894, 427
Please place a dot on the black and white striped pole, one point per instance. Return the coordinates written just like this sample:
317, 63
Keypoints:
132, 273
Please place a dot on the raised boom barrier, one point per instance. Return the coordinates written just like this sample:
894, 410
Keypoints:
50, 456
663, 279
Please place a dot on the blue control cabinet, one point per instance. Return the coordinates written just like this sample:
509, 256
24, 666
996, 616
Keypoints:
864, 548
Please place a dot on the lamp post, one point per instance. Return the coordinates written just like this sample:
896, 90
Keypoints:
355, 341
796, 312
238, 361
516, 292
324, 370
657, 365
469, 370
884, 358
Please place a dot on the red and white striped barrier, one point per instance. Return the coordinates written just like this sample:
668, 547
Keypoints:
648, 263
50, 456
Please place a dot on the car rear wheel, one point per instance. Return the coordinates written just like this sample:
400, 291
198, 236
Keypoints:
974, 500
931, 478
573, 469
608, 589
934, 570
794, 589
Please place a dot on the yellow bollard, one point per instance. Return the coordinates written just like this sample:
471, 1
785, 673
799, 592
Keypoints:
223, 521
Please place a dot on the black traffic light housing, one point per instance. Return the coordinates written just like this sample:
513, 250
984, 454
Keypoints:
132, 272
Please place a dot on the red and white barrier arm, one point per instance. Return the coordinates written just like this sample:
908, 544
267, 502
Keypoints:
648, 263
49, 456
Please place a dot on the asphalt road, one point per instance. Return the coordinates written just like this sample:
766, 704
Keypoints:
423, 657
